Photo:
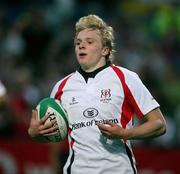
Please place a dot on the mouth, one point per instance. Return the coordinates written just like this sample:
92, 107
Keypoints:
82, 55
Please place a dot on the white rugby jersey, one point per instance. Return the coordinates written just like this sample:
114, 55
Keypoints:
114, 94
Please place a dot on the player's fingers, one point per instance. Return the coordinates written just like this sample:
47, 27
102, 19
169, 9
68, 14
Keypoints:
47, 125
43, 119
50, 124
106, 134
110, 123
104, 131
50, 130
53, 133
103, 127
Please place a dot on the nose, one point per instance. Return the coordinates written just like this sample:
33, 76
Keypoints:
82, 45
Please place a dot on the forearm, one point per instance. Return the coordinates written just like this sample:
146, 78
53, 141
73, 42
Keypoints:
153, 126
147, 130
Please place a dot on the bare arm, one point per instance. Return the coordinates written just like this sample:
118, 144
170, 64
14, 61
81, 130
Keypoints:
153, 126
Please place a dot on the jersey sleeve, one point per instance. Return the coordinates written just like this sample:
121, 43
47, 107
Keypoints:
58, 88
55, 89
142, 96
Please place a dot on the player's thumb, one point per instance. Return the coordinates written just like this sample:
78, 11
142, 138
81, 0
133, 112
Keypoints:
34, 114
110, 123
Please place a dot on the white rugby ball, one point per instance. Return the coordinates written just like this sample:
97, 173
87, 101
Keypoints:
53, 108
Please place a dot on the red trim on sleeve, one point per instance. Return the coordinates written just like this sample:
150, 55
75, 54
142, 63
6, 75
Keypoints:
129, 106
58, 96
60, 88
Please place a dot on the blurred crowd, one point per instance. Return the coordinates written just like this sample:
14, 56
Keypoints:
36, 50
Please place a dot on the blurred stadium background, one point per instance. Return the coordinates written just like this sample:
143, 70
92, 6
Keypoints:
36, 50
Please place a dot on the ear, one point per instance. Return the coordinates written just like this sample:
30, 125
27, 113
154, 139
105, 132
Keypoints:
105, 51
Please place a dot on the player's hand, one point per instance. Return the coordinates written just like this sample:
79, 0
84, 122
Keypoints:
112, 130
38, 128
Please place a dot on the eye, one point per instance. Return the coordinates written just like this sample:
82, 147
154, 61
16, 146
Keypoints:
89, 41
77, 43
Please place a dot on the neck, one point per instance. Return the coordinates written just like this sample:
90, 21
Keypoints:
92, 74
89, 71
93, 68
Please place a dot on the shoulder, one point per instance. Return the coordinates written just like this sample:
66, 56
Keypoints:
126, 73
61, 83
65, 79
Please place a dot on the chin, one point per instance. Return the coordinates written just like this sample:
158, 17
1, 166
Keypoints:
82, 63
84, 66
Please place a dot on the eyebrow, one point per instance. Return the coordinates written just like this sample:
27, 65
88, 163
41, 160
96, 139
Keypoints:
87, 38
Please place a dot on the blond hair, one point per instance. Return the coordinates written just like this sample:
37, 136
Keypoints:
95, 22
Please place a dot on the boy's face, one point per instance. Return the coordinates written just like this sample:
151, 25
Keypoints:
89, 50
